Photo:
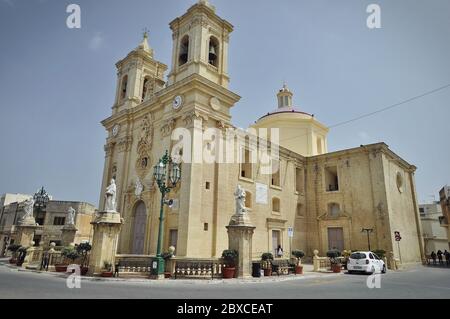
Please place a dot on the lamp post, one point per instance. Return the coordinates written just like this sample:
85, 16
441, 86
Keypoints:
167, 175
41, 199
368, 231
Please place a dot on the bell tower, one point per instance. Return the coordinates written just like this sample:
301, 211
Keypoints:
139, 77
200, 45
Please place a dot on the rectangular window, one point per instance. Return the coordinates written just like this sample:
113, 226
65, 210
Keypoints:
59, 221
205, 226
207, 185
246, 164
299, 180
276, 173
173, 237
331, 179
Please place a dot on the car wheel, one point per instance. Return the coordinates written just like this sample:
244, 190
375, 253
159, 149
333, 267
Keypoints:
350, 272
384, 269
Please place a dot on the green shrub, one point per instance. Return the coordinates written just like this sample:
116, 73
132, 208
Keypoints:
14, 247
229, 256
333, 255
267, 256
298, 253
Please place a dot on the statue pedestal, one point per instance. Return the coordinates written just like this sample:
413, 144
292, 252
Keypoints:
240, 233
25, 231
107, 227
68, 234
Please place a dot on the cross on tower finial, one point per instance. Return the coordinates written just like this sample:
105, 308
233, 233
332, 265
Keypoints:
145, 32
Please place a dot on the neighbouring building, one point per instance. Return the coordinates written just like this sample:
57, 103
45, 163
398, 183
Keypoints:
444, 198
52, 218
434, 235
326, 197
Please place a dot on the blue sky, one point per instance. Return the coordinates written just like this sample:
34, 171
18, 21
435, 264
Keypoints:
57, 84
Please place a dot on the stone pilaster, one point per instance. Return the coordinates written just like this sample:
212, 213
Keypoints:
68, 234
25, 231
104, 244
240, 234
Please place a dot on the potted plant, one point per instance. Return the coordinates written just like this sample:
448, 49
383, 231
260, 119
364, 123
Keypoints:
266, 263
299, 255
107, 269
65, 252
334, 260
13, 248
229, 257
83, 250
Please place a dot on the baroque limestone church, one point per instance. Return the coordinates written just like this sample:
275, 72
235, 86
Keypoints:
325, 198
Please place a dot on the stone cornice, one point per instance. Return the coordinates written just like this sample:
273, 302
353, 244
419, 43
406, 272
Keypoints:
194, 81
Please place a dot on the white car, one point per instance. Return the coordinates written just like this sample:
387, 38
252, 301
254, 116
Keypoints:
365, 261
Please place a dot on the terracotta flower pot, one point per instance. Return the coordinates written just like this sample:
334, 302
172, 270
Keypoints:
84, 271
336, 268
299, 270
107, 274
267, 272
60, 268
228, 272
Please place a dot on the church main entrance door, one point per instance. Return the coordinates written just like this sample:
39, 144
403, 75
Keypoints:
336, 238
140, 220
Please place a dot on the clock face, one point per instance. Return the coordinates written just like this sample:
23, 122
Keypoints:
215, 103
177, 102
115, 130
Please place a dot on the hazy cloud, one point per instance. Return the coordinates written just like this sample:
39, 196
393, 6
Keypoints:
96, 42
363, 135
8, 2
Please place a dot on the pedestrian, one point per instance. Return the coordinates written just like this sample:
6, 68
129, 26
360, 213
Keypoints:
433, 256
439, 254
279, 251
447, 257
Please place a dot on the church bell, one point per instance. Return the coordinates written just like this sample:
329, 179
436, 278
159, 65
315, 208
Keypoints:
212, 54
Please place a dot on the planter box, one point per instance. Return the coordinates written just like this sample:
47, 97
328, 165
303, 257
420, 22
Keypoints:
107, 274
336, 268
228, 272
84, 271
60, 268
299, 270
267, 272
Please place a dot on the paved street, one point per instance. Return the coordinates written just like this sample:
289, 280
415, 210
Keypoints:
417, 282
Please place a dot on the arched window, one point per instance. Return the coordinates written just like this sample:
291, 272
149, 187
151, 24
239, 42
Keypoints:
248, 199
184, 51
145, 88
213, 52
276, 205
334, 209
123, 90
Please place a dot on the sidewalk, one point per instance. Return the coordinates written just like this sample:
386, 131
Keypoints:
308, 274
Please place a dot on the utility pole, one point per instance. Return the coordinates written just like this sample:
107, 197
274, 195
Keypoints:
368, 231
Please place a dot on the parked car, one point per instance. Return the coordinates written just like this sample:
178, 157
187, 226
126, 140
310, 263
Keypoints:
365, 261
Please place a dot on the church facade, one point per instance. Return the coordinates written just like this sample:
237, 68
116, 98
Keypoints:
324, 198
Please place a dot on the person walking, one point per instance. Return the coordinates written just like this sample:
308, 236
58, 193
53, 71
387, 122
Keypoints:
439, 255
433, 256
279, 251
447, 257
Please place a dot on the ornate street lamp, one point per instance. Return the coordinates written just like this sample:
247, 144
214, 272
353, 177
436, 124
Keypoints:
167, 174
41, 199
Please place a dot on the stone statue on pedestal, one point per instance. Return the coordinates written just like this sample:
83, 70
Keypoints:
110, 195
28, 208
239, 194
71, 216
